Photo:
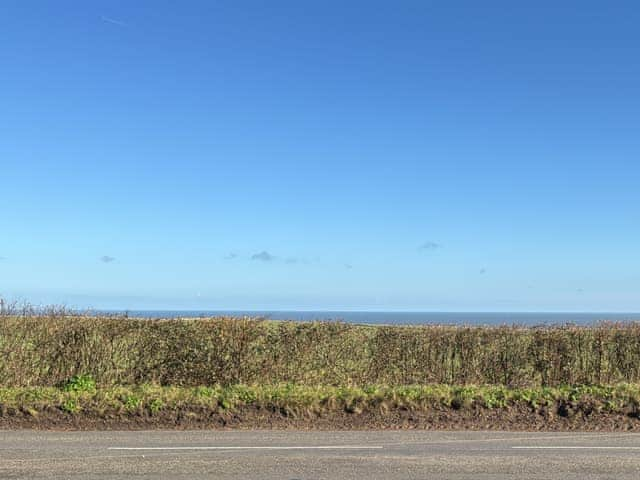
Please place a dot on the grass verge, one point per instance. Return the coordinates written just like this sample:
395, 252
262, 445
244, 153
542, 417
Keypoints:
287, 405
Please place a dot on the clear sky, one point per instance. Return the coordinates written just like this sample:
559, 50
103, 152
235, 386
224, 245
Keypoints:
425, 155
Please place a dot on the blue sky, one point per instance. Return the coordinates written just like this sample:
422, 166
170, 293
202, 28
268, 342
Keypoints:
321, 155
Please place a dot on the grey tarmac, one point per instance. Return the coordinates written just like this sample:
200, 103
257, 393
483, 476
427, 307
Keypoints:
295, 455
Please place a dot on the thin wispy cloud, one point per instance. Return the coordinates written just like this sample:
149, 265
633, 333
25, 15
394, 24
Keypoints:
113, 21
107, 259
429, 245
263, 256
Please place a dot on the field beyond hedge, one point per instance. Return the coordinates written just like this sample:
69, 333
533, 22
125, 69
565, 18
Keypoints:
48, 350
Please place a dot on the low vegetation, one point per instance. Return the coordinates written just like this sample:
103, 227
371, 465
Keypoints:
62, 370
301, 400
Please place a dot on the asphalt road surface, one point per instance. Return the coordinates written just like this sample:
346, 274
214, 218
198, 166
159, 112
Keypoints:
318, 455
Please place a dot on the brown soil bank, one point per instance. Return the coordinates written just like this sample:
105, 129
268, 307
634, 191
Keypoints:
556, 418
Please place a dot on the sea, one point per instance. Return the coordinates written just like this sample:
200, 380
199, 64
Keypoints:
401, 318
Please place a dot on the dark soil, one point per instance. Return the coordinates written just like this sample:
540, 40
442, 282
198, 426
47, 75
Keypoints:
558, 418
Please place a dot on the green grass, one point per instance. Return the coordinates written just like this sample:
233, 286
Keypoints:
297, 399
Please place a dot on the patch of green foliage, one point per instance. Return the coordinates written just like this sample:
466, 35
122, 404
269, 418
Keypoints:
156, 405
132, 402
80, 383
70, 406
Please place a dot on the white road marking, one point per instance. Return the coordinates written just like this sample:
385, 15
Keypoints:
572, 447
517, 439
318, 447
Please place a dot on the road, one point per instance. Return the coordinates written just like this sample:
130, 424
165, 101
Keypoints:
317, 455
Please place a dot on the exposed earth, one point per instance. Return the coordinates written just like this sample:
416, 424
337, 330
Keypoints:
561, 417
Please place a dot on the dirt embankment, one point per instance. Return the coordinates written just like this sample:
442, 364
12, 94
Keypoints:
561, 417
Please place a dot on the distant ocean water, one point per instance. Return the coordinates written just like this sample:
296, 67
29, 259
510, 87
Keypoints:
405, 318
